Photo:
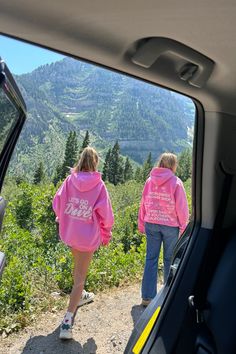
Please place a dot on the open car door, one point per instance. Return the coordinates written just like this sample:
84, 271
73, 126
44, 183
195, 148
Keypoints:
12, 118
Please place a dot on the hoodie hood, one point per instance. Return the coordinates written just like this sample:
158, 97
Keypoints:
160, 175
85, 181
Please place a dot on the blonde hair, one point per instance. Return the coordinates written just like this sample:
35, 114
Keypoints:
167, 160
88, 160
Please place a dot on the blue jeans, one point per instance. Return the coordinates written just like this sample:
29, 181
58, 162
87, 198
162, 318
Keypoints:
156, 234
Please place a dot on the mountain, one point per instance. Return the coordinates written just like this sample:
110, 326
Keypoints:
72, 95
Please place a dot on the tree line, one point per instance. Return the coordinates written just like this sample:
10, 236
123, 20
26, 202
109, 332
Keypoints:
116, 169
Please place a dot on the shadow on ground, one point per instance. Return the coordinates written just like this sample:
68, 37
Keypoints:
137, 310
136, 313
51, 344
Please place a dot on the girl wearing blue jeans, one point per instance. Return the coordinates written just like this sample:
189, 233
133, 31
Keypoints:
163, 216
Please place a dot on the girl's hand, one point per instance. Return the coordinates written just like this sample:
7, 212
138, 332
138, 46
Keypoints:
106, 240
57, 219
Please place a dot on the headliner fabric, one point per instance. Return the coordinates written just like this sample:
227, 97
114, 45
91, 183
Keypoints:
105, 32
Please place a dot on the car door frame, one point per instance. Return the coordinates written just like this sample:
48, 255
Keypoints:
170, 300
11, 90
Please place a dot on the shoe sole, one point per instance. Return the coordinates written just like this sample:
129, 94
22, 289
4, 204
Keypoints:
86, 301
145, 303
65, 336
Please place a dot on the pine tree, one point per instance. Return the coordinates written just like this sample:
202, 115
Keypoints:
184, 169
71, 152
58, 175
138, 175
147, 166
116, 170
86, 142
19, 179
128, 170
106, 167
23, 208
120, 171
113, 168
39, 174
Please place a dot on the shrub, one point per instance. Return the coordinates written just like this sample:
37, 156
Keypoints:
37, 264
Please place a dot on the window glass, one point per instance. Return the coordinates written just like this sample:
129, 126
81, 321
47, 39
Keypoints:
8, 118
70, 105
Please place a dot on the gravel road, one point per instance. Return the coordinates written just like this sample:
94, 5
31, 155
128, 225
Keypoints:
101, 327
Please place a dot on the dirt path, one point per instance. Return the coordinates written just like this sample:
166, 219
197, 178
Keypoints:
101, 327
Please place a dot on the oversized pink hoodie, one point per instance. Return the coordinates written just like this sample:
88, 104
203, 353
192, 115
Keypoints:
163, 200
84, 210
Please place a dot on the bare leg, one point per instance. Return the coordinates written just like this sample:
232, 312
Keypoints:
81, 264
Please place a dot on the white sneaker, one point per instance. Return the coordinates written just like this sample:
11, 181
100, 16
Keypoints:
86, 297
65, 331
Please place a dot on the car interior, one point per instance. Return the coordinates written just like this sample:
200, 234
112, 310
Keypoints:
188, 47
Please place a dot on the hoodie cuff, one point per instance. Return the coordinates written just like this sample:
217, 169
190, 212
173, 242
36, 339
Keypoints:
181, 230
141, 229
106, 239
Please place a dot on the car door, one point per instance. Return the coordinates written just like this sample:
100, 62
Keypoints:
12, 118
195, 312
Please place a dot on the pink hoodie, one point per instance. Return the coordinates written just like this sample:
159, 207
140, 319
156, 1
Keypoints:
84, 210
163, 200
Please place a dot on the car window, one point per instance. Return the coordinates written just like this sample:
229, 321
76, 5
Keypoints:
72, 104
8, 118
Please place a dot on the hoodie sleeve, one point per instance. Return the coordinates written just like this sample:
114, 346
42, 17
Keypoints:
105, 215
181, 205
142, 212
56, 204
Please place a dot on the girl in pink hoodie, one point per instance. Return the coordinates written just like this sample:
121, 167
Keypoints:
163, 216
83, 210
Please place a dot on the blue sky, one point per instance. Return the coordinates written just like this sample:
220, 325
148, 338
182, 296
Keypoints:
22, 58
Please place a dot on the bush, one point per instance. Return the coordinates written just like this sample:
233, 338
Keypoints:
112, 265
23, 209
15, 290
37, 264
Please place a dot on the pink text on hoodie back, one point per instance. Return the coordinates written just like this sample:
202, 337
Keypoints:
163, 201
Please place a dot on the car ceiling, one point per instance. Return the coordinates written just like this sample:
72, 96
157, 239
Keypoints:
106, 32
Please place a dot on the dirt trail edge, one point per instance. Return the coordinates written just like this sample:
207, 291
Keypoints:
101, 327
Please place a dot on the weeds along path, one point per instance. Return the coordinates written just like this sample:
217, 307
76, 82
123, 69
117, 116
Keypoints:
101, 327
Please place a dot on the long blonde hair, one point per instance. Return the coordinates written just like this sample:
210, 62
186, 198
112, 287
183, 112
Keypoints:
88, 160
167, 160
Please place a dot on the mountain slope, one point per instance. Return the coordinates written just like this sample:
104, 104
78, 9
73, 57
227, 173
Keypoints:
71, 95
